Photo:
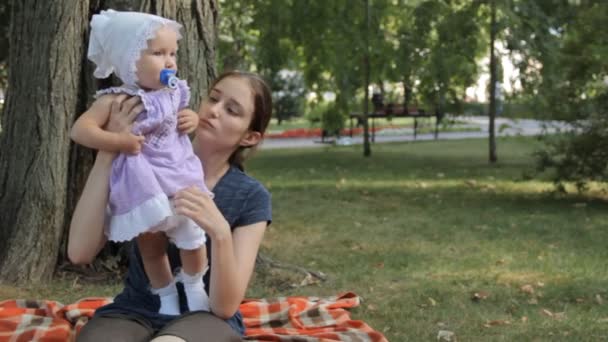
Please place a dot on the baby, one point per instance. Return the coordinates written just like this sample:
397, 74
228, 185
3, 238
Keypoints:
156, 158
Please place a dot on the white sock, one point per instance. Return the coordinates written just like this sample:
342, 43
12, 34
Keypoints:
169, 299
195, 291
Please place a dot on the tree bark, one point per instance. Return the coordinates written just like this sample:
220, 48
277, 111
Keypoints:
367, 150
492, 112
44, 77
196, 54
50, 82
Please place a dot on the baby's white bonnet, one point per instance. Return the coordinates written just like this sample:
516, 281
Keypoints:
117, 39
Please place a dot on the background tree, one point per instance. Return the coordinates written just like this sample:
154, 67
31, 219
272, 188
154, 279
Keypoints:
577, 90
43, 97
40, 172
288, 100
236, 39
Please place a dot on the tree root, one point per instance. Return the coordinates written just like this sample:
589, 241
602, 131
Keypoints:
311, 277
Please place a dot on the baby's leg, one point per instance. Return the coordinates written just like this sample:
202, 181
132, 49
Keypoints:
194, 261
194, 267
153, 250
190, 239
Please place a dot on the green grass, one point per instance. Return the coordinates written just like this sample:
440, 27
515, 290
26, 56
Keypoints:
417, 228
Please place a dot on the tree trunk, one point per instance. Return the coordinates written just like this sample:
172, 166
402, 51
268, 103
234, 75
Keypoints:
492, 112
41, 177
45, 65
367, 150
196, 54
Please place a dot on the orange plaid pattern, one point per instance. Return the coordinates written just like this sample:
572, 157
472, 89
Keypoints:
304, 319
45, 320
300, 319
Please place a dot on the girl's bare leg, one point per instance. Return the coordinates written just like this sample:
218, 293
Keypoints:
194, 266
153, 250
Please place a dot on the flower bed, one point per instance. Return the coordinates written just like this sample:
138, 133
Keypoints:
316, 132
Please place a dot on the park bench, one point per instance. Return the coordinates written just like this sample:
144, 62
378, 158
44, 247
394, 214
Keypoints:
394, 110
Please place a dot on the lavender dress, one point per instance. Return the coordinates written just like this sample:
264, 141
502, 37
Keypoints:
142, 185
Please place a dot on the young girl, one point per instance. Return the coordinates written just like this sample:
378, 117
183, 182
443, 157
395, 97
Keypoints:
156, 159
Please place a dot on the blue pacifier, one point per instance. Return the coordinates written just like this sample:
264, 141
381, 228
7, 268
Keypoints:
168, 78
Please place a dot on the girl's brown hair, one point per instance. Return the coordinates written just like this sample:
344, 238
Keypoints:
262, 111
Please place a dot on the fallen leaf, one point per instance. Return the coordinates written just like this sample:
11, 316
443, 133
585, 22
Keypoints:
446, 336
580, 300
540, 284
442, 325
559, 315
371, 307
75, 284
480, 295
598, 299
603, 320
524, 319
500, 262
547, 312
309, 280
533, 301
432, 301
529, 289
496, 322
379, 265
471, 182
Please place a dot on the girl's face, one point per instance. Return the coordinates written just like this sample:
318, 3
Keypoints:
226, 114
160, 54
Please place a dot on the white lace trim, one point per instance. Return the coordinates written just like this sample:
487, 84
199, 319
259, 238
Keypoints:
142, 218
133, 91
156, 215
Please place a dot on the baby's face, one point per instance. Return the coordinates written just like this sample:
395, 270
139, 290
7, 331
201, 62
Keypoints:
160, 54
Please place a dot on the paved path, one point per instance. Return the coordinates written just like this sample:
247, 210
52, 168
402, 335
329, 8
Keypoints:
504, 127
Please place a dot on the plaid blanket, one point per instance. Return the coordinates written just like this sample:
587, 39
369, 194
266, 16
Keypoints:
45, 320
296, 319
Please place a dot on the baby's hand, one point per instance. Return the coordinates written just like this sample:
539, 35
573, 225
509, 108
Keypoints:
131, 143
187, 120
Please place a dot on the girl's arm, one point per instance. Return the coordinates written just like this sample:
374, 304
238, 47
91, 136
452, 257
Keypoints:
86, 236
233, 262
233, 253
88, 131
86, 229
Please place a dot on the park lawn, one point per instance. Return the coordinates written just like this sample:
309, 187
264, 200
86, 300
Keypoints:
417, 229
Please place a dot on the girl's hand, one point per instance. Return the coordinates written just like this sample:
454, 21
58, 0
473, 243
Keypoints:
130, 143
200, 207
123, 112
187, 121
